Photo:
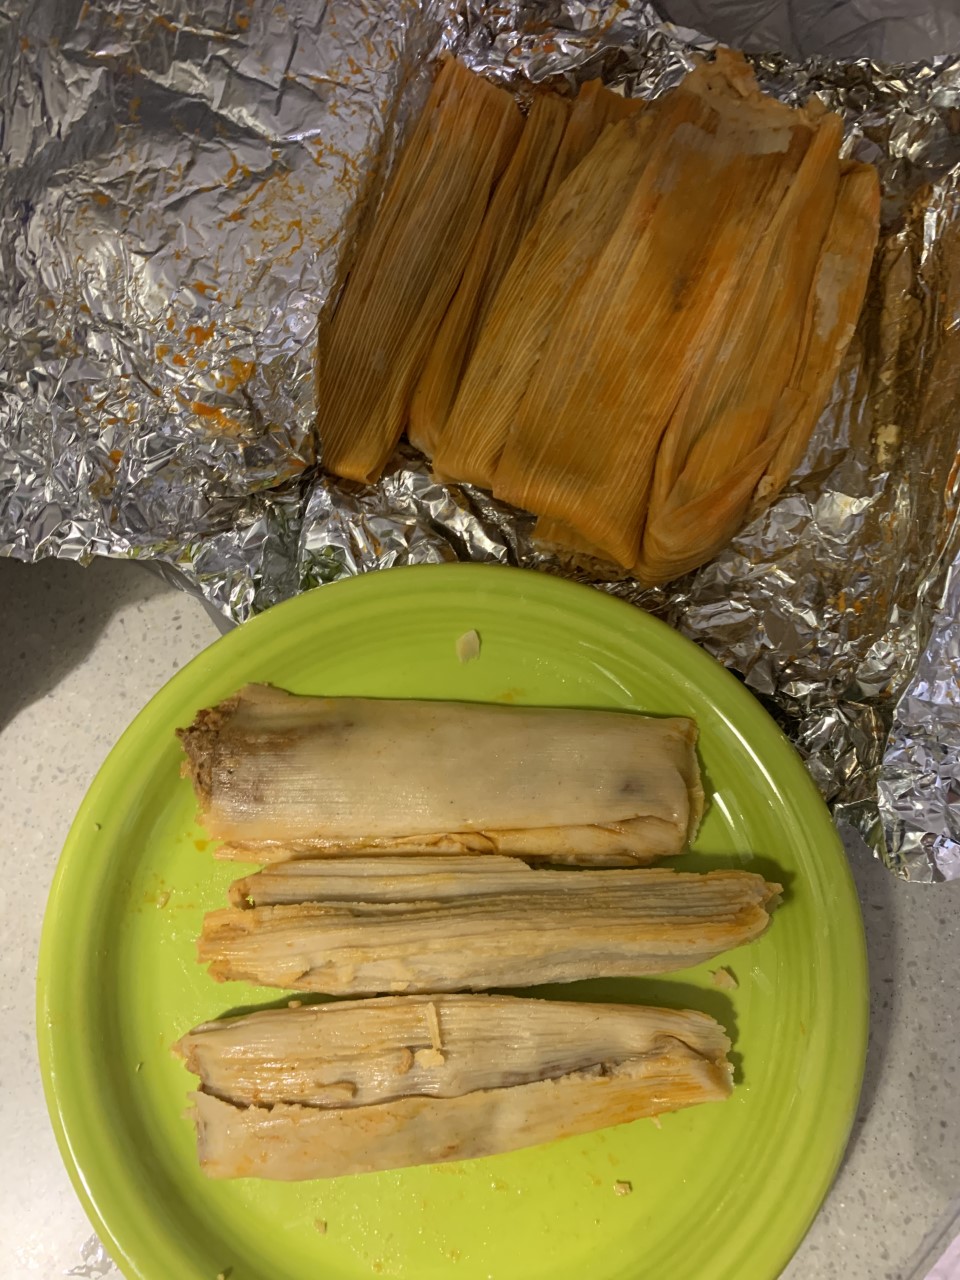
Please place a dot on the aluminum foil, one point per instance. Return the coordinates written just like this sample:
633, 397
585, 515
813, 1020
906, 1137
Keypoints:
179, 191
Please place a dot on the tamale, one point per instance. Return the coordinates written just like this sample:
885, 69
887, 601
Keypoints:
835, 301
585, 438
421, 879
558, 250
408, 268
537, 927
593, 109
513, 207
356, 774
356, 1086
719, 441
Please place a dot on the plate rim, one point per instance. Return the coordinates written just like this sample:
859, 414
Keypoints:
51, 1052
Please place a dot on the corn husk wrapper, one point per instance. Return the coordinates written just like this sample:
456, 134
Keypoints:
362, 1085
387, 879
535, 927
557, 135
594, 108
408, 268
514, 205
294, 773
588, 431
556, 254
651, 368
833, 307
763, 382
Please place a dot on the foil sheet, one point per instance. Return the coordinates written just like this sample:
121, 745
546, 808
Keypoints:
179, 190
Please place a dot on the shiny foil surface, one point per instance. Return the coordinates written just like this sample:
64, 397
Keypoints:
180, 188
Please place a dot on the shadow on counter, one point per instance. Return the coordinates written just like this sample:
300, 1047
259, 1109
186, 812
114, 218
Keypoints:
51, 614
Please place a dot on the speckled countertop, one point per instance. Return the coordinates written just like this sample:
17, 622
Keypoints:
85, 649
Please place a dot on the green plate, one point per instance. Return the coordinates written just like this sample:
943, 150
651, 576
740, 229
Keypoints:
721, 1191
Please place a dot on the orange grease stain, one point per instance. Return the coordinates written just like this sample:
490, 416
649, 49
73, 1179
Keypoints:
223, 420
241, 373
198, 334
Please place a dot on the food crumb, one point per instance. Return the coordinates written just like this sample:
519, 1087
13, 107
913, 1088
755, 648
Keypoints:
294, 1004
468, 646
163, 898
656, 1122
139, 1067
429, 1058
622, 1188
321, 1226
98, 826
405, 1063
724, 978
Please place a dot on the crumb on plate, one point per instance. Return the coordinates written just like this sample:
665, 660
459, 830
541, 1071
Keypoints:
724, 978
468, 646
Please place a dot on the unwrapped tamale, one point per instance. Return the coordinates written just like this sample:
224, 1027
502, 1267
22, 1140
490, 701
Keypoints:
408, 268
355, 774
521, 928
356, 1086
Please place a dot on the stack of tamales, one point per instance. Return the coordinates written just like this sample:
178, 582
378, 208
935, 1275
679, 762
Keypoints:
408, 852
632, 324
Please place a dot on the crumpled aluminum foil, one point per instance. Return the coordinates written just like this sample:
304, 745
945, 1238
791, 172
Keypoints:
94, 1264
178, 191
